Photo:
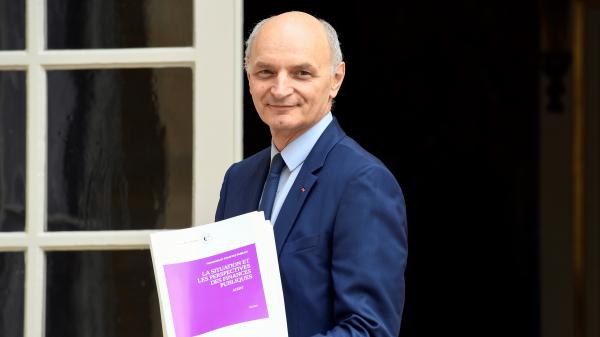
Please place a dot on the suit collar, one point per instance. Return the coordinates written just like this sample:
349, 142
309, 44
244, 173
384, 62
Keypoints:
303, 184
296, 152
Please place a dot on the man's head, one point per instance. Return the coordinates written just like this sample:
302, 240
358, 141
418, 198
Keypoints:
294, 68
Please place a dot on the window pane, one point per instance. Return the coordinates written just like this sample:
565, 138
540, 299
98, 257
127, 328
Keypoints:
12, 278
81, 24
119, 149
12, 150
101, 294
12, 24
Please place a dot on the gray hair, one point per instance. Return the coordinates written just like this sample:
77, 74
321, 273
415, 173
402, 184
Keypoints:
332, 38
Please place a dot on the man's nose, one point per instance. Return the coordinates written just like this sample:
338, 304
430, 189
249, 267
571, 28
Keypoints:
281, 87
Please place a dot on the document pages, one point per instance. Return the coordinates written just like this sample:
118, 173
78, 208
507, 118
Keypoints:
220, 279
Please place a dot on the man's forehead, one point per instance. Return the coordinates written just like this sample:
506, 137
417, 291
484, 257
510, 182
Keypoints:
295, 32
298, 20
278, 46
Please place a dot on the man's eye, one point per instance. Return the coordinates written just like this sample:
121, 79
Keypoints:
303, 73
264, 73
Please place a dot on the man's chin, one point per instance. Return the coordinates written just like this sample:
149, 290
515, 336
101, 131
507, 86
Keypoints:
283, 118
284, 125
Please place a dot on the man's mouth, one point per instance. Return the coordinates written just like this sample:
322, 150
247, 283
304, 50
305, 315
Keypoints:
282, 106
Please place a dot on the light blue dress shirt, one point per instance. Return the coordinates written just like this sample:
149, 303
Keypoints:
294, 155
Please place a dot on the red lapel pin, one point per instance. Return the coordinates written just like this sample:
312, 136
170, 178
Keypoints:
302, 189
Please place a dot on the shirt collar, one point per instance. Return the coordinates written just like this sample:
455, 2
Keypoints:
296, 152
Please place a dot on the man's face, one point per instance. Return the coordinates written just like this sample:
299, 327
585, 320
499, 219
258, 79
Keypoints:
290, 78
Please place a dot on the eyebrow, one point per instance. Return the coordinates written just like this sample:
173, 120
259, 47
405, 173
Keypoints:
263, 65
304, 66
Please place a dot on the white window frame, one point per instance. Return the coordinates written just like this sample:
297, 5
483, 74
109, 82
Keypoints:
216, 62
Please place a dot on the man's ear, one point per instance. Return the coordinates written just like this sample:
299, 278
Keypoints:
338, 78
246, 70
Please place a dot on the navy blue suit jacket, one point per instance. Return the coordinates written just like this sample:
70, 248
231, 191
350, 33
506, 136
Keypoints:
340, 237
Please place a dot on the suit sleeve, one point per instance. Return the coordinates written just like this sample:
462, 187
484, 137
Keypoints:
369, 256
220, 213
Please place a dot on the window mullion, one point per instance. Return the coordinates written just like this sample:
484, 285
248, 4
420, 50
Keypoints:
118, 58
13, 241
35, 201
13, 60
96, 240
35, 20
35, 271
217, 101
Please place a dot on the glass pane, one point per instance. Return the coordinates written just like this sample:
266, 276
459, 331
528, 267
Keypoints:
12, 24
119, 149
81, 24
12, 278
101, 294
12, 150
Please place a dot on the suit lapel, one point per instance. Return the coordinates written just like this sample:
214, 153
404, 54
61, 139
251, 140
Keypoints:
254, 180
255, 185
304, 183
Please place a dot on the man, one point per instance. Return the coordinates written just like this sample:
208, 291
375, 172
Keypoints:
338, 213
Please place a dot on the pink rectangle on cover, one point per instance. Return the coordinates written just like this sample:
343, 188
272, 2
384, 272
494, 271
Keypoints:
216, 291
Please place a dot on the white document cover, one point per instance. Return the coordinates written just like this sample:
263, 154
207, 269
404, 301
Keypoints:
220, 279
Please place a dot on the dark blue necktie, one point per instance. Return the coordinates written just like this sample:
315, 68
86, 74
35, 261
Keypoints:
266, 204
